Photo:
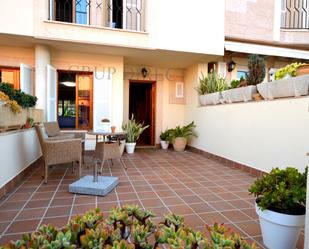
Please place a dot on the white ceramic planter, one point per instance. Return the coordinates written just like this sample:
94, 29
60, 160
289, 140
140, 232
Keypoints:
210, 99
130, 147
241, 94
291, 87
280, 231
164, 144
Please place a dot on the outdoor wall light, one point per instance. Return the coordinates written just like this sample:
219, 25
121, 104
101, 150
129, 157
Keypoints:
144, 72
231, 66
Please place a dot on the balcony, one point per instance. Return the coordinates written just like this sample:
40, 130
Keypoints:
117, 14
295, 14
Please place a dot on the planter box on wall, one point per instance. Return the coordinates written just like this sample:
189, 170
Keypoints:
10, 120
210, 99
241, 94
291, 87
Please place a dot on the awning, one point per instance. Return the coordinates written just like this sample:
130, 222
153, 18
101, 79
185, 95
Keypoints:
266, 50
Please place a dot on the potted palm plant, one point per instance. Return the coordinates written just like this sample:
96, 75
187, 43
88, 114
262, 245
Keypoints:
280, 205
179, 136
133, 130
165, 139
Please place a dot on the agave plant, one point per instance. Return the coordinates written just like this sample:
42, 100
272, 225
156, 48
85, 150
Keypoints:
211, 83
133, 129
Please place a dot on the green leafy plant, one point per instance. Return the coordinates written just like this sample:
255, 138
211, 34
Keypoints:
184, 131
22, 99
290, 69
165, 135
128, 227
67, 112
211, 83
282, 190
133, 129
237, 83
257, 72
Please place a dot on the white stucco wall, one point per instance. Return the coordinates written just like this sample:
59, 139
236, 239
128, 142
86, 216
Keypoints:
262, 135
18, 149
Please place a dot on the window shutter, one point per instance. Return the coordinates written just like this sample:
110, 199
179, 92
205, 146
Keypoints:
102, 98
222, 69
51, 105
26, 82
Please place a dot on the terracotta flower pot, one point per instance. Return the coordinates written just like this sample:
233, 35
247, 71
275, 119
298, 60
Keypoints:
302, 70
179, 144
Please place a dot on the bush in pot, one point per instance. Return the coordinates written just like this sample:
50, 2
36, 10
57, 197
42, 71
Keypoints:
165, 138
257, 72
288, 71
133, 130
179, 136
280, 204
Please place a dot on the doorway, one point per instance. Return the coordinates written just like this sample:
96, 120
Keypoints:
142, 95
75, 100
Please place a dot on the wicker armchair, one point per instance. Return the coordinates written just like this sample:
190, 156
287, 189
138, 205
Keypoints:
109, 151
59, 151
54, 133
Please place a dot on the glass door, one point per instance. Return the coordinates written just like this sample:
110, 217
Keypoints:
84, 101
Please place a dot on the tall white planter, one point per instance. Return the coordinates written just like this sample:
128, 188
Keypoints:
290, 87
210, 99
164, 144
130, 147
280, 231
241, 94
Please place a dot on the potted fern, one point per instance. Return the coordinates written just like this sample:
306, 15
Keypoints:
180, 135
280, 205
133, 130
165, 138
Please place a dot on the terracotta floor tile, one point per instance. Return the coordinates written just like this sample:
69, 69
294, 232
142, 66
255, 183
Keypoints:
58, 211
172, 201
201, 208
236, 216
193, 221
62, 202
213, 217
12, 205
147, 195
58, 221
240, 204
4, 240
152, 203
221, 205
181, 209
250, 227
23, 226
37, 204
36, 213
7, 215
189, 199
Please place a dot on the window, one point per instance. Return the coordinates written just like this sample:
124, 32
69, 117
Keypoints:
64, 10
82, 11
241, 74
295, 14
10, 75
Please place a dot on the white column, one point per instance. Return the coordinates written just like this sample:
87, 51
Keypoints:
42, 59
307, 217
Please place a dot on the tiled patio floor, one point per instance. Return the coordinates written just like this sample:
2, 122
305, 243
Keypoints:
202, 190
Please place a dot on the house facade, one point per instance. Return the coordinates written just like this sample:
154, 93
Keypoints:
87, 60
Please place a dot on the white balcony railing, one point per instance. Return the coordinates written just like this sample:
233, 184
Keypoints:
295, 14
119, 14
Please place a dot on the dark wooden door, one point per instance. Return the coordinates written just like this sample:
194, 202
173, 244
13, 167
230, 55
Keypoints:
142, 105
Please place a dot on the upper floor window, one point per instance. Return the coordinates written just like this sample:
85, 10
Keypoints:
295, 14
121, 14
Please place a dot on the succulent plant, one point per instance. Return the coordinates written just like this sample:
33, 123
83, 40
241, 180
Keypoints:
128, 227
